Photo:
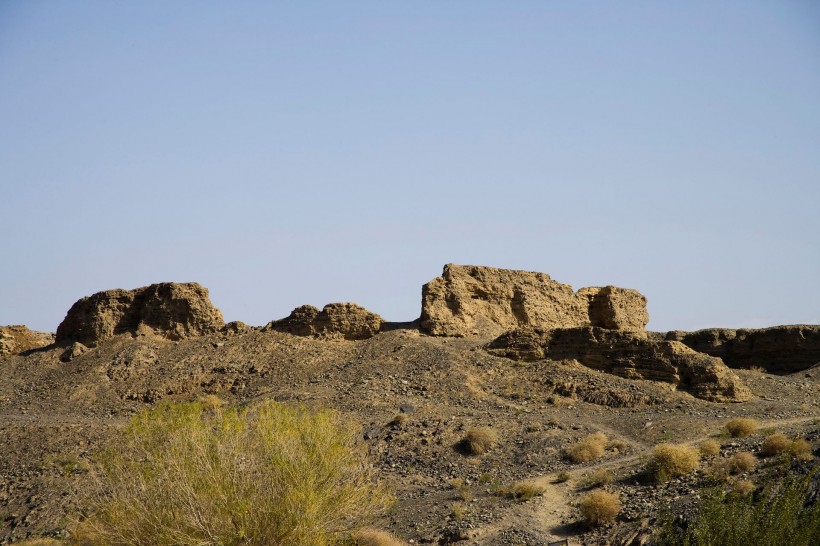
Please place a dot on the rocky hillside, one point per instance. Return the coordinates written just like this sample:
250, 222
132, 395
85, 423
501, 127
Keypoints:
541, 364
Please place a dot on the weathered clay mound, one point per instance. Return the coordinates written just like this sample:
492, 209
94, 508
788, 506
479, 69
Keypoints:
17, 339
777, 349
485, 301
630, 355
172, 310
334, 321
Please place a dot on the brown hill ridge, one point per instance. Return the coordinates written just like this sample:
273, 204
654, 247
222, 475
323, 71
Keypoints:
470, 300
18, 338
630, 355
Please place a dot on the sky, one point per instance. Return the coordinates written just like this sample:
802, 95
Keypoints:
289, 153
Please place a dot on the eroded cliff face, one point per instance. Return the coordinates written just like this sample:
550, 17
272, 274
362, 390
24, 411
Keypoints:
171, 310
632, 355
779, 349
335, 321
484, 301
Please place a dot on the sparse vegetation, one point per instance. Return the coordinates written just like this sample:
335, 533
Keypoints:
775, 444
600, 507
744, 488
269, 474
462, 488
562, 477
709, 448
800, 449
742, 462
597, 478
778, 514
375, 537
587, 449
672, 460
520, 491
478, 441
741, 427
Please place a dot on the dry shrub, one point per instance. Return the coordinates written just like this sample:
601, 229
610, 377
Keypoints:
265, 475
597, 478
478, 441
742, 462
775, 444
744, 488
562, 477
671, 460
740, 427
459, 511
617, 445
600, 507
375, 537
709, 448
40, 542
520, 491
463, 489
800, 449
587, 449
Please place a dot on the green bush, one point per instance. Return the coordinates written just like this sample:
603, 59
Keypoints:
777, 515
270, 474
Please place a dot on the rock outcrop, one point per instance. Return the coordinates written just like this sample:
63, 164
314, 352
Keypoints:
18, 338
171, 310
335, 321
631, 355
779, 349
484, 301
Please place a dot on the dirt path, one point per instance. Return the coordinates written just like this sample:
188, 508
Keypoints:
548, 516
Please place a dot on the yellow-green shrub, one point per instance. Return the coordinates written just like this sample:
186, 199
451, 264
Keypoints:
478, 441
775, 444
708, 448
671, 460
267, 475
587, 449
600, 507
742, 426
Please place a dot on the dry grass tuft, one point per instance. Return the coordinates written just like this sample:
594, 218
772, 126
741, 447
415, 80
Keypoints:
800, 449
478, 441
587, 449
740, 427
597, 478
520, 491
775, 444
671, 460
709, 448
376, 537
562, 477
600, 507
744, 488
742, 462
40, 542
462, 488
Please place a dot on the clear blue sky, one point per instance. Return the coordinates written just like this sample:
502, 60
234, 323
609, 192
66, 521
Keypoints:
312, 152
